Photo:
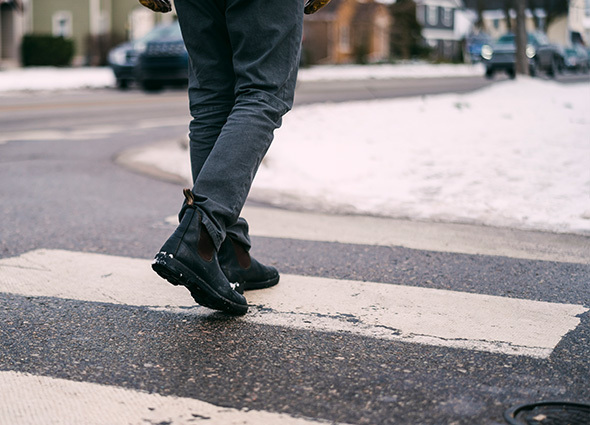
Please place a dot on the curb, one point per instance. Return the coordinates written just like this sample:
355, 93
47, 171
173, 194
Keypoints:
128, 160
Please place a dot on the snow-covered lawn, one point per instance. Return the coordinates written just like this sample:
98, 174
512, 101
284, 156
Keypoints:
516, 154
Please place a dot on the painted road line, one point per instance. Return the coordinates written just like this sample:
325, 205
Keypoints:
442, 237
393, 312
37, 400
89, 132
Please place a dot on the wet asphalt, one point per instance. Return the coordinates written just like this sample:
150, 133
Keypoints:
69, 194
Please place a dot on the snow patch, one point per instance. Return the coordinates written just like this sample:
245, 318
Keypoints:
515, 154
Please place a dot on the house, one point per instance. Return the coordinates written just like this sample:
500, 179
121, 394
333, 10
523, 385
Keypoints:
440, 26
564, 22
347, 31
94, 25
494, 20
572, 27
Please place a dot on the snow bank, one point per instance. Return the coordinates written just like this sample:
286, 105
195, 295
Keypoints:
49, 78
385, 71
516, 154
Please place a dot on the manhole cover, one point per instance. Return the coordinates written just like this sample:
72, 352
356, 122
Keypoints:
549, 413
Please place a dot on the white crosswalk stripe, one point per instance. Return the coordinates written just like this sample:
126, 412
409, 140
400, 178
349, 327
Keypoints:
39, 400
413, 314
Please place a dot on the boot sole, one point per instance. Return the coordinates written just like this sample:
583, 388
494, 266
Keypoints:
261, 284
179, 275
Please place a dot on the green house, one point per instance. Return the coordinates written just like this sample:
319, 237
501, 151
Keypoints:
94, 25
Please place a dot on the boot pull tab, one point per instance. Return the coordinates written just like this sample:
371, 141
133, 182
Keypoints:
190, 197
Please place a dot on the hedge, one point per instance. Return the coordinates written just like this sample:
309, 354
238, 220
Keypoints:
46, 50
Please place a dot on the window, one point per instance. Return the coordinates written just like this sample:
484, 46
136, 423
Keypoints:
432, 15
447, 17
61, 24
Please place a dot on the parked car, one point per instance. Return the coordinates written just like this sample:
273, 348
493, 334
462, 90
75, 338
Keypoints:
122, 60
577, 59
152, 61
542, 55
473, 45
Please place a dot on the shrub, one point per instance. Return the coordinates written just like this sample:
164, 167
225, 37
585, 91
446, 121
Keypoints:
46, 50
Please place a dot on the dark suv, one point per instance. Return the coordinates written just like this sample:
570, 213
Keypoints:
156, 59
542, 55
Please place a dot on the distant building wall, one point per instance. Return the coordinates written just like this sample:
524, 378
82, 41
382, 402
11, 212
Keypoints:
94, 25
70, 18
496, 25
317, 40
347, 31
558, 31
11, 30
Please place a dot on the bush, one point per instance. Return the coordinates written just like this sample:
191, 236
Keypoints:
46, 50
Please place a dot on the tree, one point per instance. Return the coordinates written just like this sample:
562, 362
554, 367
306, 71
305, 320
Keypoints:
508, 4
406, 31
480, 5
522, 63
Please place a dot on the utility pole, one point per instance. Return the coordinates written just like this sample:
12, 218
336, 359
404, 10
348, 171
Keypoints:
522, 63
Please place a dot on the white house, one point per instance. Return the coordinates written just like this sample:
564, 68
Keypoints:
440, 20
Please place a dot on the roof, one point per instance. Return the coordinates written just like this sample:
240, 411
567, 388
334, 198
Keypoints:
442, 3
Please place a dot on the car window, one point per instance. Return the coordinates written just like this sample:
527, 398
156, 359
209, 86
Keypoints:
480, 38
163, 32
539, 38
506, 39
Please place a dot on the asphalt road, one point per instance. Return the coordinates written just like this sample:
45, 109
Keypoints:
61, 190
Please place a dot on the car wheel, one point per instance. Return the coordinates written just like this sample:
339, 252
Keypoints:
489, 73
533, 69
122, 84
553, 69
150, 85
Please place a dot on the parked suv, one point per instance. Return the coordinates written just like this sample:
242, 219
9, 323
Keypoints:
473, 45
577, 59
542, 55
156, 59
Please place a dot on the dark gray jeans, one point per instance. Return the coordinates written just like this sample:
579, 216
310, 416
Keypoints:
244, 56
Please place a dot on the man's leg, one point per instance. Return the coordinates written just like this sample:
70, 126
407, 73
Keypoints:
212, 99
189, 256
265, 41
